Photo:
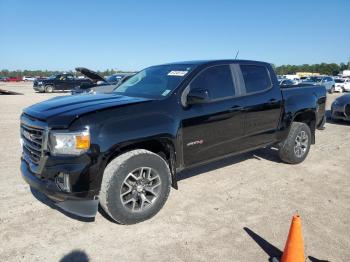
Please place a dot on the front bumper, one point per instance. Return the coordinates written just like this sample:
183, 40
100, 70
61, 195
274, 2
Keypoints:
83, 204
340, 113
38, 88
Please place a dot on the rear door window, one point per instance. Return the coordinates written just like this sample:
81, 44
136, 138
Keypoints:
256, 78
217, 80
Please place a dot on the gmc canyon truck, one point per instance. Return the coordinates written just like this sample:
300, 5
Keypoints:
123, 150
59, 82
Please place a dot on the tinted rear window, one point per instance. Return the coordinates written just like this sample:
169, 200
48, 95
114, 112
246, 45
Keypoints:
256, 78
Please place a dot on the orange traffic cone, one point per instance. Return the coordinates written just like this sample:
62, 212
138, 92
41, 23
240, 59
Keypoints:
294, 249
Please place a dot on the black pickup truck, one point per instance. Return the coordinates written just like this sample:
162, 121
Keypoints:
59, 82
124, 149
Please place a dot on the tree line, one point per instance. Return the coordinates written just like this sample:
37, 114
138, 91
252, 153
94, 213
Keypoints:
46, 73
323, 69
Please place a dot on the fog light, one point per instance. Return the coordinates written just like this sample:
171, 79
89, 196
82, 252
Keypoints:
62, 181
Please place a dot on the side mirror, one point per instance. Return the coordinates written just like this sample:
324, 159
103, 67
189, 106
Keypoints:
197, 96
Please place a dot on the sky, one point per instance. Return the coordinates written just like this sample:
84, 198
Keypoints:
131, 35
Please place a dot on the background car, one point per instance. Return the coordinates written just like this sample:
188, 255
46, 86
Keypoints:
100, 84
326, 81
340, 109
28, 78
342, 85
59, 82
13, 79
286, 82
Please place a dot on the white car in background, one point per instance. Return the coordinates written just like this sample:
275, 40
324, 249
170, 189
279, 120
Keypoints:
28, 78
342, 85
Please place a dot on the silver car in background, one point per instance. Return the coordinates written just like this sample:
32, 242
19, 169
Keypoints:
326, 81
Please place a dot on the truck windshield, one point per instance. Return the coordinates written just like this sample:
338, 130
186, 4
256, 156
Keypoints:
52, 77
155, 82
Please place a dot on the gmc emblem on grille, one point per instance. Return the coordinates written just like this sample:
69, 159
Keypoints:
28, 135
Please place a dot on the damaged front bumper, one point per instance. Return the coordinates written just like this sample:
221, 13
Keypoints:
84, 204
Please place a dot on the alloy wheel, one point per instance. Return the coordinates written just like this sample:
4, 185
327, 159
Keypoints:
301, 144
140, 189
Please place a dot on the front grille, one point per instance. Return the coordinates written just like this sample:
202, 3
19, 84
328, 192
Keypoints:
32, 138
340, 114
347, 110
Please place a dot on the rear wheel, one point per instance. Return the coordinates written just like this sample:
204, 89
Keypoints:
48, 89
135, 186
332, 90
296, 146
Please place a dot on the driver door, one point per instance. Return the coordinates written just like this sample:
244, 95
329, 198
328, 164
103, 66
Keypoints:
60, 82
214, 128
69, 82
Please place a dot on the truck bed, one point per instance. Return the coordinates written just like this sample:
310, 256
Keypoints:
301, 96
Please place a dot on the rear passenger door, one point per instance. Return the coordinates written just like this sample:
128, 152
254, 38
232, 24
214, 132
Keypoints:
215, 128
263, 102
69, 82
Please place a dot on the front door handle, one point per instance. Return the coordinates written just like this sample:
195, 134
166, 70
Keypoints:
272, 101
236, 108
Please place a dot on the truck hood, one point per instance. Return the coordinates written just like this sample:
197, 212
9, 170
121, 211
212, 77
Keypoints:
90, 74
59, 112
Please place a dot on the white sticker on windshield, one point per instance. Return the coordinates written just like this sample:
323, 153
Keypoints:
177, 73
166, 92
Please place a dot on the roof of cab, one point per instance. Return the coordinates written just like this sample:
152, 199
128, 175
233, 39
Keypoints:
218, 61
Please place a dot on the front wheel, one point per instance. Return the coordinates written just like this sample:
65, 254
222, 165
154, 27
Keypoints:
332, 90
135, 186
48, 89
296, 146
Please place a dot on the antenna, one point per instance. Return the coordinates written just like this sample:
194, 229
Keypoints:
237, 54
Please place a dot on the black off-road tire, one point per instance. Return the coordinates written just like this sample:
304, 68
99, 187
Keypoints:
48, 89
115, 174
287, 152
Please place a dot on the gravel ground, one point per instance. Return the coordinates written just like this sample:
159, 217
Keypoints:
237, 209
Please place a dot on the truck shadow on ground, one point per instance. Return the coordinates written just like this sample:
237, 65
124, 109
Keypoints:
270, 154
75, 256
273, 252
50, 203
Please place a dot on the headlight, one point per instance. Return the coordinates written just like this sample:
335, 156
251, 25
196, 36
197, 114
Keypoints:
40, 83
336, 103
72, 143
